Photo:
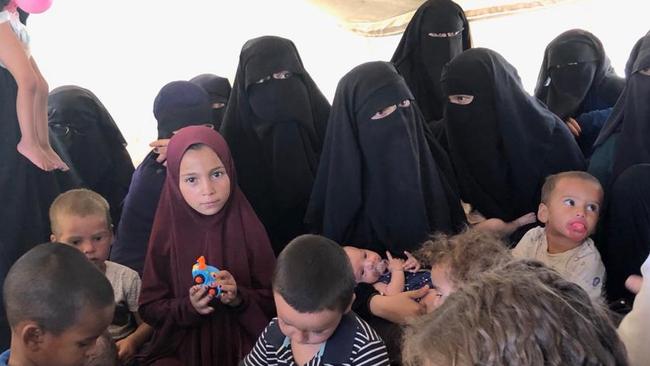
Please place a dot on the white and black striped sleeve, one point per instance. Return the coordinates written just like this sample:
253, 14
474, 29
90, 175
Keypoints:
369, 349
262, 353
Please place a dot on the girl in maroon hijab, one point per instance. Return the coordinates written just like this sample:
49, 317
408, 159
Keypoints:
202, 212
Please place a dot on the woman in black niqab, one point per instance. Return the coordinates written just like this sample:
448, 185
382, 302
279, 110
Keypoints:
577, 81
85, 135
218, 88
274, 124
625, 139
437, 33
378, 186
503, 142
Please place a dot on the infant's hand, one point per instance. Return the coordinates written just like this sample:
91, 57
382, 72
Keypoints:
199, 297
411, 264
394, 264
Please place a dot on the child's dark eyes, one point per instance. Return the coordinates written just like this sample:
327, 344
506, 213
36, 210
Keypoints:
218, 174
592, 207
569, 202
190, 180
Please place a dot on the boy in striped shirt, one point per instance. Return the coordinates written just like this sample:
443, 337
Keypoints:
313, 288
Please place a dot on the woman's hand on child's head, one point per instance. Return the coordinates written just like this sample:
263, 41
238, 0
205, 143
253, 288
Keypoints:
228, 285
411, 264
160, 148
199, 297
394, 264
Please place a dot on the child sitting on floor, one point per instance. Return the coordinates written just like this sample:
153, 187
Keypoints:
569, 209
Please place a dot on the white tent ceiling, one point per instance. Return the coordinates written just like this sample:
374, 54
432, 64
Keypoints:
375, 18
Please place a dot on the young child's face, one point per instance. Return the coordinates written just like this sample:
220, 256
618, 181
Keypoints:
204, 183
305, 328
442, 287
90, 234
74, 345
572, 209
364, 264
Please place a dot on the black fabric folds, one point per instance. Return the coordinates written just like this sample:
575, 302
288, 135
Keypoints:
26, 193
627, 230
437, 33
631, 115
275, 127
85, 136
504, 142
378, 186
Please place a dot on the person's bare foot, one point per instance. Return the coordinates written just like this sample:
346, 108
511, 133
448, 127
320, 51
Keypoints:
56, 161
36, 155
526, 219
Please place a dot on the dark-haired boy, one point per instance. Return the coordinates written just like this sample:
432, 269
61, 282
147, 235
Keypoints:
313, 288
57, 304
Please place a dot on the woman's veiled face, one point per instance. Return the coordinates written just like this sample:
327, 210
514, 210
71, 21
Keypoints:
203, 180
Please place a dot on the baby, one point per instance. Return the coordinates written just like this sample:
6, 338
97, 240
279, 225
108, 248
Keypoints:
388, 276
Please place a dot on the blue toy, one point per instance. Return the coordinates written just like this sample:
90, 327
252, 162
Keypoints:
205, 275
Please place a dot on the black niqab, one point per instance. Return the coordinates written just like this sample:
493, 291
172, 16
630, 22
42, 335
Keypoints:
574, 65
631, 114
437, 33
218, 88
275, 129
378, 186
86, 137
505, 142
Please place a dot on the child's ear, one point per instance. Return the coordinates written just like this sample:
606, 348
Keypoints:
32, 336
52, 238
542, 213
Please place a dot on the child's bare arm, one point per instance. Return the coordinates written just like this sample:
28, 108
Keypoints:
396, 267
129, 346
14, 57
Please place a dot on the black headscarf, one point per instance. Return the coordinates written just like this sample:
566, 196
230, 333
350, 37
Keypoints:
275, 128
438, 32
218, 88
86, 137
631, 115
378, 186
574, 66
627, 230
178, 104
505, 142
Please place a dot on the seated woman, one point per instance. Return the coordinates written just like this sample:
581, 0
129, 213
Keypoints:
378, 185
578, 84
502, 141
88, 139
623, 140
275, 125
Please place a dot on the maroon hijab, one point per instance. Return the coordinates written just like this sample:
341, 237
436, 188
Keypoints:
233, 240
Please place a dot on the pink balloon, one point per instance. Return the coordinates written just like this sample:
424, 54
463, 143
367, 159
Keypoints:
34, 6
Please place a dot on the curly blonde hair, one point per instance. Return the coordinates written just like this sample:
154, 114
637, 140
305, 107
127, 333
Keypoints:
465, 255
522, 313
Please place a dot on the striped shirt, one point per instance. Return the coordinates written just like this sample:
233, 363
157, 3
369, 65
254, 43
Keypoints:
354, 343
